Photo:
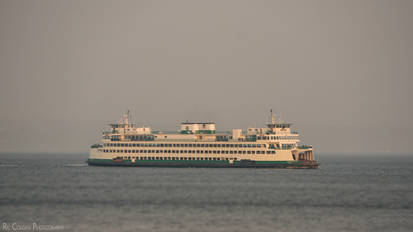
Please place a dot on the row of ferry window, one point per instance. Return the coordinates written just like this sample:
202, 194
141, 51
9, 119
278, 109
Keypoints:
172, 158
181, 145
276, 137
190, 151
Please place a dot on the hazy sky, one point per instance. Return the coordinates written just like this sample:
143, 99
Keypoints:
341, 71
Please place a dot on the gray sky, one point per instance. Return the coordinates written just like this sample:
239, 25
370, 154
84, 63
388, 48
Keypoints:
341, 71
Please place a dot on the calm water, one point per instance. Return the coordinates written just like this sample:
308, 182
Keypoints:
348, 193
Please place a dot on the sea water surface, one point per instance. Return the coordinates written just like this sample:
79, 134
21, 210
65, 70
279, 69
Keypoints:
347, 193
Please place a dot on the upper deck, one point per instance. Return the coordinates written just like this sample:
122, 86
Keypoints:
276, 134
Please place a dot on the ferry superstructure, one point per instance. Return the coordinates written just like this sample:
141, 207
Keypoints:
197, 144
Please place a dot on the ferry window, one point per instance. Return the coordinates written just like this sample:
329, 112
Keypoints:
272, 152
214, 158
202, 145
249, 152
218, 152
231, 152
218, 145
173, 151
215, 145
201, 151
258, 145
253, 152
197, 158
197, 145
215, 152
202, 158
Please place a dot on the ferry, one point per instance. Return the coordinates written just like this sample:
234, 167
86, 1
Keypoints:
198, 144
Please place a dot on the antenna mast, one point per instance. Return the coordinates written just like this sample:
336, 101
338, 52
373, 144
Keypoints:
272, 117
